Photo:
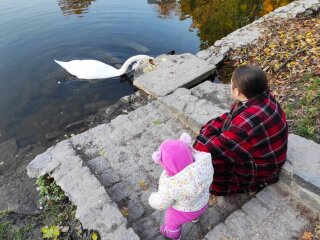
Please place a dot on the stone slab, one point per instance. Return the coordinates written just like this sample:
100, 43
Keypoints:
303, 163
194, 107
272, 214
220, 232
171, 72
308, 181
94, 207
304, 154
123, 233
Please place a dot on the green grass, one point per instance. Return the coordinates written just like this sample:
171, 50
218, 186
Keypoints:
8, 230
57, 210
157, 122
305, 116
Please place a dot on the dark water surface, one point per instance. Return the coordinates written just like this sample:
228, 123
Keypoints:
37, 96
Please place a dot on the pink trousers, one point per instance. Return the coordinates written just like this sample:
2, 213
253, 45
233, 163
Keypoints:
174, 220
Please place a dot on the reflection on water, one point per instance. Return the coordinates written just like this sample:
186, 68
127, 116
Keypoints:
214, 19
78, 7
165, 8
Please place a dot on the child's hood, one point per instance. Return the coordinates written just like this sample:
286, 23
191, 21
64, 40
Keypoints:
175, 156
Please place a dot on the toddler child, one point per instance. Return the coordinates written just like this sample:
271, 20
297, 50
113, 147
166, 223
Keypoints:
183, 185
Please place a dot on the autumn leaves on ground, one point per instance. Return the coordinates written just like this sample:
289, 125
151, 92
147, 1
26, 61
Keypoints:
289, 52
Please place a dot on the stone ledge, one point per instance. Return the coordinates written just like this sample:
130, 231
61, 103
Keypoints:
308, 181
171, 72
303, 164
279, 217
198, 105
95, 209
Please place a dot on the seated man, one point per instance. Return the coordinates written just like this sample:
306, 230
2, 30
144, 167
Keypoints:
249, 144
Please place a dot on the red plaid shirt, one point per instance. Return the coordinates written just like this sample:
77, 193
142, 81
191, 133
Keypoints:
248, 145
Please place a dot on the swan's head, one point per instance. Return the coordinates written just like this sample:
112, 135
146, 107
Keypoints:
142, 58
138, 60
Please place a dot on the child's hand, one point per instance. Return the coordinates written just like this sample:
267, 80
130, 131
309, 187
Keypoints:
160, 201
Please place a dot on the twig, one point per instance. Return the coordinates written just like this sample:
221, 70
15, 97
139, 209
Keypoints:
289, 59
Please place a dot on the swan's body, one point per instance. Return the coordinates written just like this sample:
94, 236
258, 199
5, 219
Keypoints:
92, 69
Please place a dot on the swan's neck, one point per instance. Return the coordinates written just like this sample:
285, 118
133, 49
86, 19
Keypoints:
131, 60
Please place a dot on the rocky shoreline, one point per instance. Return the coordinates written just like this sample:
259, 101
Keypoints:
11, 186
17, 191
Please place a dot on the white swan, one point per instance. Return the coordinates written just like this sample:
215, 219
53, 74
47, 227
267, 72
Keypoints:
92, 69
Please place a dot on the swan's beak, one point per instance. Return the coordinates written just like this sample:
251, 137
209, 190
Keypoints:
151, 62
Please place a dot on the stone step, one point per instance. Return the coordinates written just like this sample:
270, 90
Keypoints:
271, 214
301, 173
171, 72
124, 167
108, 173
95, 209
108, 170
194, 107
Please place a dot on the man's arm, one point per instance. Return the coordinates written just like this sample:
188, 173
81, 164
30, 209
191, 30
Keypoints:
211, 128
234, 146
214, 125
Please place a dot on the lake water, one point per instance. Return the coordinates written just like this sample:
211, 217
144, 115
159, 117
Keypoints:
37, 96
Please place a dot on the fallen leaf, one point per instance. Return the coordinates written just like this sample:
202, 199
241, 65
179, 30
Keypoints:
94, 236
213, 200
50, 232
143, 185
307, 236
124, 211
64, 229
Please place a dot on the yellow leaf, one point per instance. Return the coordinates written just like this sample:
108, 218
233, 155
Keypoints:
307, 236
299, 36
94, 236
292, 64
309, 34
125, 211
50, 232
273, 45
213, 200
143, 185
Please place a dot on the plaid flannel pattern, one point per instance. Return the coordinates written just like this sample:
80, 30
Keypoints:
248, 145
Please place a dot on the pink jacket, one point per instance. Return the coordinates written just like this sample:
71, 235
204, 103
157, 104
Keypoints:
188, 190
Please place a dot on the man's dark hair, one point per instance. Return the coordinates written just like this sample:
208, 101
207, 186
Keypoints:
250, 80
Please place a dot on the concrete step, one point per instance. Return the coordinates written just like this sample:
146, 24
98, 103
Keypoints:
108, 173
271, 214
171, 72
194, 107
301, 172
